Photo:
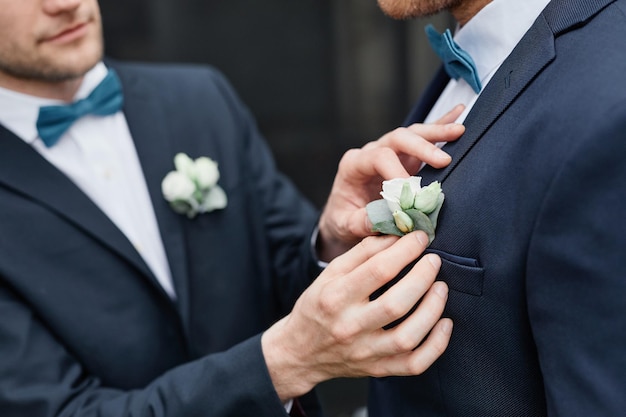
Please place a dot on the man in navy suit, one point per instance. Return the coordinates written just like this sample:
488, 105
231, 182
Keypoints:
114, 304
532, 235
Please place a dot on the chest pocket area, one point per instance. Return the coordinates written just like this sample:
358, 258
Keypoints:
461, 274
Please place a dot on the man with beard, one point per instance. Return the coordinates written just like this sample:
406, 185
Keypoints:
114, 304
534, 208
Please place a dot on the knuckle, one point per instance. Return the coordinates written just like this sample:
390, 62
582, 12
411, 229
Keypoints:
378, 272
399, 131
372, 145
403, 343
386, 153
418, 131
333, 269
330, 302
367, 243
348, 157
343, 332
370, 245
362, 354
392, 311
417, 366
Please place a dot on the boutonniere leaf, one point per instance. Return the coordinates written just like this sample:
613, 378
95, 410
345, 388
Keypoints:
192, 187
406, 206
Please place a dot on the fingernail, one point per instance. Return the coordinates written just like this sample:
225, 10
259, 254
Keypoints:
454, 125
434, 260
441, 155
422, 238
446, 327
441, 289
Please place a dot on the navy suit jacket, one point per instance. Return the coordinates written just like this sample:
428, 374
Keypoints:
533, 233
85, 328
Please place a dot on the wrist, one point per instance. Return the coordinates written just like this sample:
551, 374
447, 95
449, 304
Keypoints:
328, 244
291, 376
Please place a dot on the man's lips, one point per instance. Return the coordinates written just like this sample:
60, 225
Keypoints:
68, 35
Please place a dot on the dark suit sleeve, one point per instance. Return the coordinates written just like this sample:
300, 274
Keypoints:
577, 276
40, 378
287, 216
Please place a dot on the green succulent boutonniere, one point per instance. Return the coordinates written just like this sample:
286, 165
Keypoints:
406, 206
192, 188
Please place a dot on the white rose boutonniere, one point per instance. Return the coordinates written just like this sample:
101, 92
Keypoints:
406, 206
192, 188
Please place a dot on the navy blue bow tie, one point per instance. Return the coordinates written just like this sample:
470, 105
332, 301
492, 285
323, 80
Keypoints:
105, 99
456, 61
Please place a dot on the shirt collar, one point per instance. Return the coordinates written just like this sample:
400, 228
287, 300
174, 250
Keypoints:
19, 112
492, 34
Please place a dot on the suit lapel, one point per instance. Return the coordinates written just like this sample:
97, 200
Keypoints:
153, 142
27, 173
534, 53
562, 15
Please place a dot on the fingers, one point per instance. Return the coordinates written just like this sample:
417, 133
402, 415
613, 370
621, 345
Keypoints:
386, 265
417, 361
423, 319
334, 329
360, 254
360, 225
435, 133
452, 115
415, 144
432, 348
408, 335
413, 345
377, 260
398, 156
402, 297
373, 161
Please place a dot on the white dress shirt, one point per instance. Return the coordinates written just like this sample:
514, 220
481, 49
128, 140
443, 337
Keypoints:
98, 155
489, 38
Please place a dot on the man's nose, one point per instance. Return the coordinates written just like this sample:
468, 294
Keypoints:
53, 7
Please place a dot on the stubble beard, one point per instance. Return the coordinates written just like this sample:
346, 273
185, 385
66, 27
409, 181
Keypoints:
410, 9
46, 68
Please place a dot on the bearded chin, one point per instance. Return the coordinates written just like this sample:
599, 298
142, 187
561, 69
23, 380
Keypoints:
396, 9
410, 9
51, 69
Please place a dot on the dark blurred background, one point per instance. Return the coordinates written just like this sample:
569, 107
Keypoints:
320, 76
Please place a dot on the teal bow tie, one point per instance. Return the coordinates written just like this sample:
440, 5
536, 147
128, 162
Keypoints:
104, 100
457, 62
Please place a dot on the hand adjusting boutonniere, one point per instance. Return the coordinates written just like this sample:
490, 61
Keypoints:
192, 188
406, 206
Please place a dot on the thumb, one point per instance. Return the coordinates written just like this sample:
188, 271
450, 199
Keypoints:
360, 225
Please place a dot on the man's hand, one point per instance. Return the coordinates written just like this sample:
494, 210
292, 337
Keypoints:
397, 154
335, 330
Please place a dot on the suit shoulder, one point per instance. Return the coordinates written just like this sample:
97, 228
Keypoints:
179, 76
180, 83
171, 71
